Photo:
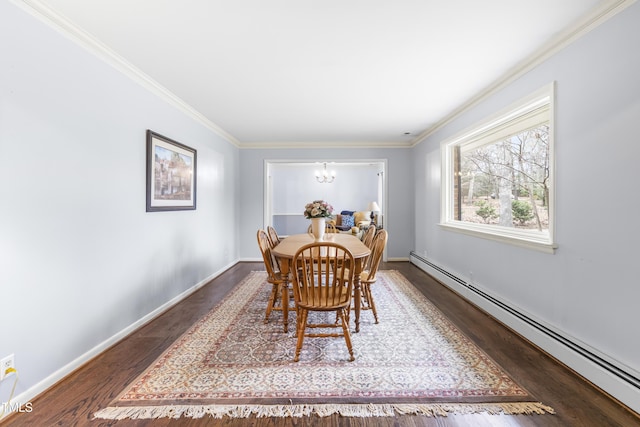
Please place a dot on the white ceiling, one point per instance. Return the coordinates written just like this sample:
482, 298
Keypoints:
339, 72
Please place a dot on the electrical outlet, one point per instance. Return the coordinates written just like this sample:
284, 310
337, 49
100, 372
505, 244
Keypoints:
6, 363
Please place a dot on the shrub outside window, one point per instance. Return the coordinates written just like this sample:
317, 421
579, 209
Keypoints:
498, 176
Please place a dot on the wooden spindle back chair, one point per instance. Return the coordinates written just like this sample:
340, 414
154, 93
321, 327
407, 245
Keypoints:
273, 235
368, 236
370, 270
323, 282
279, 288
329, 227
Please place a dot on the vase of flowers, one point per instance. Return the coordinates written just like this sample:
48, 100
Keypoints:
318, 211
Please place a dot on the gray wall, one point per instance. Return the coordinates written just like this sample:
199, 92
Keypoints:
589, 289
80, 259
399, 192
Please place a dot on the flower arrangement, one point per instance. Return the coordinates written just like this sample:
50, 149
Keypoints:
318, 209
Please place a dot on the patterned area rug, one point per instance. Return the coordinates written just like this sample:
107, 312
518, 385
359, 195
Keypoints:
414, 361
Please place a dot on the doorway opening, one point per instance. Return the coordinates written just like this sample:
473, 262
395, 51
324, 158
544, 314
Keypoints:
290, 185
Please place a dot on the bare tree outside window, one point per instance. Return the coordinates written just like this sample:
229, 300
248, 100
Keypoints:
508, 177
497, 176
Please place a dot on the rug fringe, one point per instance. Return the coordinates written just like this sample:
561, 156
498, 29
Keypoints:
321, 410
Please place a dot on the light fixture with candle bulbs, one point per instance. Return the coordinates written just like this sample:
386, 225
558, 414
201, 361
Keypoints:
324, 177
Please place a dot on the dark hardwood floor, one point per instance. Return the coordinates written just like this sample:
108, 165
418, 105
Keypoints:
577, 403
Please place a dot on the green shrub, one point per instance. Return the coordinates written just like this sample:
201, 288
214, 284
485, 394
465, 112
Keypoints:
521, 211
486, 211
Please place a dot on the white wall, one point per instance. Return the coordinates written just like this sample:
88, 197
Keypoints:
399, 192
589, 289
294, 185
80, 259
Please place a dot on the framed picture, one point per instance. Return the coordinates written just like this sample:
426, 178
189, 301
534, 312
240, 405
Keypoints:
171, 174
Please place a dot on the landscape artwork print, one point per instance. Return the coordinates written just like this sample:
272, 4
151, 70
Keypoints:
171, 174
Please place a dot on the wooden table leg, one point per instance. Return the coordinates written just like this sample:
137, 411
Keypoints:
284, 270
357, 292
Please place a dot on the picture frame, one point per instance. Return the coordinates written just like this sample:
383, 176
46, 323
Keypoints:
171, 174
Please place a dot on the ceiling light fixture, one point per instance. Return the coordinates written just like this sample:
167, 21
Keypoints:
324, 177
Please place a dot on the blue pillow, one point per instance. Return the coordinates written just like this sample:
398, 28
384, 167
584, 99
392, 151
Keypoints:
348, 221
347, 212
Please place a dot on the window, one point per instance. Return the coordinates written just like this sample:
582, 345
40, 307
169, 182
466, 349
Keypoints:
498, 176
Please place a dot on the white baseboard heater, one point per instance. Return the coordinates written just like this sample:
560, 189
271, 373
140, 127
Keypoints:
619, 380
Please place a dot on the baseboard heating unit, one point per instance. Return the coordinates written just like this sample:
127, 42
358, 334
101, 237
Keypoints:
620, 381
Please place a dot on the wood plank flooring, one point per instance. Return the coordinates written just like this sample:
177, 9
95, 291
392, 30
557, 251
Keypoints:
577, 403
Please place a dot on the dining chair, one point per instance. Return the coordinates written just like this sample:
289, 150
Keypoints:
368, 236
329, 227
273, 235
367, 239
279, 287
370, 270
274, 240
322, 282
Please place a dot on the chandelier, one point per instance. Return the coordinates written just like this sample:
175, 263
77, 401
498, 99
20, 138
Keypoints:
324, 177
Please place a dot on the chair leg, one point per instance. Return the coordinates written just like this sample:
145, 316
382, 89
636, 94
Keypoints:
372, 303
272, 301
345, 330
301, 326
284, 291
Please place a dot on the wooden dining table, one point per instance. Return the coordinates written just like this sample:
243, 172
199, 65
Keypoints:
287, 248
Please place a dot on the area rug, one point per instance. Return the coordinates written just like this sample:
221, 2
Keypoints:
230, 363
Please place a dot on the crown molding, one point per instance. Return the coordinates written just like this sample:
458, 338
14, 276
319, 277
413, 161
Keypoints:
42, 12
95, 47
285, 145
583, 26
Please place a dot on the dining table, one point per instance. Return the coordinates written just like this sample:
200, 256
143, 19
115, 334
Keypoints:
287, 248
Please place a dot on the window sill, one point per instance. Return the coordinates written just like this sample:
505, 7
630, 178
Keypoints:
524, 238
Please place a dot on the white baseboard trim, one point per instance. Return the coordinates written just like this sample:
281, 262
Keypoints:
616, 379
42, 386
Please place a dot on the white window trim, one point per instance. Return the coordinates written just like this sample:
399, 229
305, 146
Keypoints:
533, 239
